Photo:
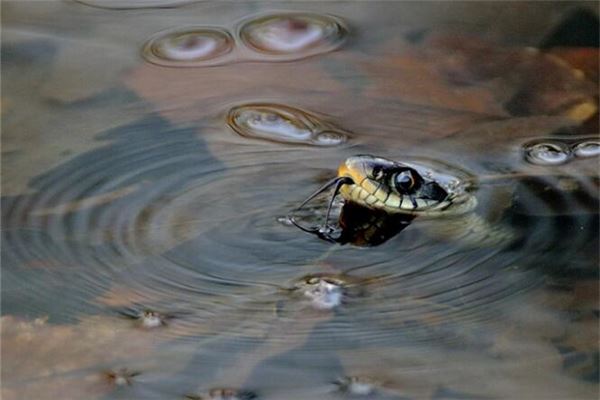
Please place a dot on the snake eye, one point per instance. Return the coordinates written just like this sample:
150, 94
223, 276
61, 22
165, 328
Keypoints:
404, 181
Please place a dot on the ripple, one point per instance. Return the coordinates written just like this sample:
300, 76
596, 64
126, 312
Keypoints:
152, 221
292, 36
192, 46
547, 153
283, 124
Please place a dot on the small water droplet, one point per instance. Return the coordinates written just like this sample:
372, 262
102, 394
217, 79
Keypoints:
295, 34
282, 124
588, 148
188, 47
547, 153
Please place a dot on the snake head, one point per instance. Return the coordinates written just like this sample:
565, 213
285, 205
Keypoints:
391, 192
393, 187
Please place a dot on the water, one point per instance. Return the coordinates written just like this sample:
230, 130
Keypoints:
152, 151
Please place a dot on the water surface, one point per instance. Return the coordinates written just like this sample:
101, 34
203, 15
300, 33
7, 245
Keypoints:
146, 250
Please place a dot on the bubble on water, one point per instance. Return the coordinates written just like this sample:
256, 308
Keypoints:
293, 35
547, 153
283, 124
588, 148
330, 138
189, 47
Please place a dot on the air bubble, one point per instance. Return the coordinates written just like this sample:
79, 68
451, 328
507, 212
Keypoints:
294, 34
283, 124
188, 47
330, 138
547, 153
589, 148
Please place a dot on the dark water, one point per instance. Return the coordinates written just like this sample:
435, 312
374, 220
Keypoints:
152, 150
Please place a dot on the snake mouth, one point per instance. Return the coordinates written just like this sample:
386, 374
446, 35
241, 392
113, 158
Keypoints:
393, 187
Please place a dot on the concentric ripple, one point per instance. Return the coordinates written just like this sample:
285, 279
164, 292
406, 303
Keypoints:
192, 47
290, 36
153, 222
284, 124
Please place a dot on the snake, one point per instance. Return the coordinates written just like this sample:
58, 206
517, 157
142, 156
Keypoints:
394, 190
382, 196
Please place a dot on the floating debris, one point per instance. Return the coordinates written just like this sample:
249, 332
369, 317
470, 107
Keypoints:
189, 47
283, 124
293, 35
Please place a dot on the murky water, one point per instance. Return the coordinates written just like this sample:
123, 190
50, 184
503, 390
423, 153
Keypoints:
154, 152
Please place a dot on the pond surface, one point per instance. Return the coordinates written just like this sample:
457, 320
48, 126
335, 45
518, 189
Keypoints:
153, 152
